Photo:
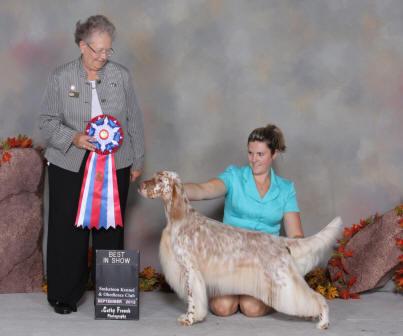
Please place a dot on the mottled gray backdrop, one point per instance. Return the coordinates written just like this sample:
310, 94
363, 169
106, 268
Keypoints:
206, 72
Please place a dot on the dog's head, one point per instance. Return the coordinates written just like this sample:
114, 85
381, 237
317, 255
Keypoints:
168, 186
160, 185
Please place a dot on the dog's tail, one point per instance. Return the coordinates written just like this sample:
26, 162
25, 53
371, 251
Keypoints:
311, 251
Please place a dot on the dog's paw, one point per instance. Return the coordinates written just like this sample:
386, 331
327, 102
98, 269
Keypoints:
186, 319
322, 325
323, 320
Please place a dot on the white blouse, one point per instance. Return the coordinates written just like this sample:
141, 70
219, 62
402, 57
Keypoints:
95, 105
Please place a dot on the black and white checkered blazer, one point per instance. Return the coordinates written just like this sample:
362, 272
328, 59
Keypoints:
66, 110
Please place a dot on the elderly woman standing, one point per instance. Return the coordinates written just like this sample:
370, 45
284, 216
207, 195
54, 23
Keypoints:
76, 92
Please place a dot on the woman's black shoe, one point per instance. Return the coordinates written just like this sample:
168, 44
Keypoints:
63, 308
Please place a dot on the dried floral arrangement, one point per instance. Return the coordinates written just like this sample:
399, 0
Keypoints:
151, 280
20, 141
319, 280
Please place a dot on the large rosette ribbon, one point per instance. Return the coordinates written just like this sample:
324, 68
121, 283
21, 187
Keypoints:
99, 205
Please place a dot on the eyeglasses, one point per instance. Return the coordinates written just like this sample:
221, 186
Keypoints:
107, 52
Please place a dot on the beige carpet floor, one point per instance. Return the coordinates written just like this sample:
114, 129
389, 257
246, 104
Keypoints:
379, 313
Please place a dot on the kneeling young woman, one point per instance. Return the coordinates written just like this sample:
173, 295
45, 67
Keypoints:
255, 199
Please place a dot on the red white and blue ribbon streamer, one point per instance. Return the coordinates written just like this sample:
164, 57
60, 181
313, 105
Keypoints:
99, 205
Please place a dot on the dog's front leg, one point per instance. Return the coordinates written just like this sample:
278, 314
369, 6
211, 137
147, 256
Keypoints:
196, 295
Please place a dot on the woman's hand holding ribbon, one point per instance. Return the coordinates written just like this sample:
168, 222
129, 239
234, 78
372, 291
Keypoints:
83, 141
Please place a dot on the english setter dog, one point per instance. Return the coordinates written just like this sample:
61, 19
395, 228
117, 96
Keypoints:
201, 257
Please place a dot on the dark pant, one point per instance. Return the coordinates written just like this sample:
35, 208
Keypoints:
67, 248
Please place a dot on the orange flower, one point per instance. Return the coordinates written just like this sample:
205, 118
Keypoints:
6, 157
399, 242
352, 281
335, 262
399, 282
332, 292
347, 233
358, 227
12, 142
338, 275
341, 249
148, 272
363, 222
347, 254
401, 222
344, 294
26, 143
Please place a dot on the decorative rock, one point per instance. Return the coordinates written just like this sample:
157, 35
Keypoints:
375, 254
21, 222
23, 173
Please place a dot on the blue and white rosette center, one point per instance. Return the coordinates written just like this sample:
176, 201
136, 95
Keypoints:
107, 132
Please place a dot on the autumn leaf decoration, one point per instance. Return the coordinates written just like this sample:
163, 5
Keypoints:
319, 280
398, 276
151, 280
6, 156
21, 141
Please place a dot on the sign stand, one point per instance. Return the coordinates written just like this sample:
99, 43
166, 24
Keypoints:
117, 285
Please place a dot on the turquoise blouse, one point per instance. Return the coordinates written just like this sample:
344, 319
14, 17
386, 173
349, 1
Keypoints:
245, 208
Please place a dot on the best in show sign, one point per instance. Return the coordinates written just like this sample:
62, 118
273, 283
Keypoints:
116, 288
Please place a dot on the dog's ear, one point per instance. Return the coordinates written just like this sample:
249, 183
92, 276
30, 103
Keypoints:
178, 205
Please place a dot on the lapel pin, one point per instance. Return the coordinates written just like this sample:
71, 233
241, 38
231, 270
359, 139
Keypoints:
73, 92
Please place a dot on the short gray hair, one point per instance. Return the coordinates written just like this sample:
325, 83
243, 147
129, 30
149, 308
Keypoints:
95, 23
